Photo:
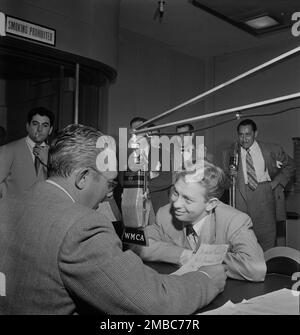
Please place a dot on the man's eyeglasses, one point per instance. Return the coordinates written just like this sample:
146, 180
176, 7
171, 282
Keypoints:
111, 183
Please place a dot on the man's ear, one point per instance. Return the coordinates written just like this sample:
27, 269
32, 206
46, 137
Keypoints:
81, 178
255, 134
27, 126
50, 131
211, 204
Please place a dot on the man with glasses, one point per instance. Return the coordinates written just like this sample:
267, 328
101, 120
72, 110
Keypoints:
60, 256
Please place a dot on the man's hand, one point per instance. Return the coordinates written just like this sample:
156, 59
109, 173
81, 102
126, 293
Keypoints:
37, 151
41, 153
274, 184
217, 275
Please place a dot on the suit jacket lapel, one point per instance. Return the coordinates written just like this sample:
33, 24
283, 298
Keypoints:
28, 157
266, 156
208, 231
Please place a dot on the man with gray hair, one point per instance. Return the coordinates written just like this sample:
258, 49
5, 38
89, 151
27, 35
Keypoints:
196, 216
60, 256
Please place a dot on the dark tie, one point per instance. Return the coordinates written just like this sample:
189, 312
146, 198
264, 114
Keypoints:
36, 162
182, 156
192, 237
252, 179
190, 230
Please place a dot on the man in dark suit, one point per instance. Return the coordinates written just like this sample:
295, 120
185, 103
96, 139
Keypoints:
60, 256
263, 171
159, 180
24, 162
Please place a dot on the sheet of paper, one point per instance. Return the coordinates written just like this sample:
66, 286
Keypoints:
207, 254
281, 302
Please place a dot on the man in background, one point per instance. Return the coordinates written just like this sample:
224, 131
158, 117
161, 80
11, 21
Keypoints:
23, 162
263, 171
187, 129
63, 257
159, 181
188, 150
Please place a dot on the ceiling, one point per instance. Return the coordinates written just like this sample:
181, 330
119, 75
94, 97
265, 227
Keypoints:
210, 31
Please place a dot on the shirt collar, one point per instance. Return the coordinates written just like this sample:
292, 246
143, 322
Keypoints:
198, 226
252, 148
61, 188
32, 144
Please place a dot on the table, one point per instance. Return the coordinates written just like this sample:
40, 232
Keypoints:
235, 290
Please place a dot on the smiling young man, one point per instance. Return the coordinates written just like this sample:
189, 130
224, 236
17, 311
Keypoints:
263, 171
196, 216
24, 162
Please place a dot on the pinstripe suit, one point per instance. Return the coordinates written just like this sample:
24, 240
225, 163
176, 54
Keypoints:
62, 258
265, 205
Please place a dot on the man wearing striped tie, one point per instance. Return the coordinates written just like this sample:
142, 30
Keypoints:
24, 162
264, 169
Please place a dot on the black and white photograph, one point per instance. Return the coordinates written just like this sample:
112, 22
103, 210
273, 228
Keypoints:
149, 161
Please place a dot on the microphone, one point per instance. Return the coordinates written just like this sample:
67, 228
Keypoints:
233, 167
234, 158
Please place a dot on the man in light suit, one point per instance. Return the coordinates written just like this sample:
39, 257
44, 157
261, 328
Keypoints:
60, 256
23, 162
261, 196
195, 207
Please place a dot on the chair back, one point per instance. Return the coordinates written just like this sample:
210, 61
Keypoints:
282, 260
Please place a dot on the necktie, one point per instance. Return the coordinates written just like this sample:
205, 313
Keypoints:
36, 162
252, 179
192, 237
182, 157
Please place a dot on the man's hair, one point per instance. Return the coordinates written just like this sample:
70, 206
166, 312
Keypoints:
42, 111
213, 179
190, 126
153, 132
137, 119
73, 148
247, 122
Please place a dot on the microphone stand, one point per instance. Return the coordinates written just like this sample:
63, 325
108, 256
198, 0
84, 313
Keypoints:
233, 165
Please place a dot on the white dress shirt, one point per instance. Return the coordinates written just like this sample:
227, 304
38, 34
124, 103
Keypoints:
31, 144
258, 163
194, 239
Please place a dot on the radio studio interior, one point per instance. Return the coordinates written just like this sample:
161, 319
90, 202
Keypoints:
149, 157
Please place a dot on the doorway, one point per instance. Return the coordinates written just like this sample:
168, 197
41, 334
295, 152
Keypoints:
33, 75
